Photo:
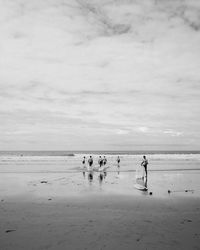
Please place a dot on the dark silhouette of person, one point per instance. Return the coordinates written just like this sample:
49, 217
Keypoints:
118, 161
144, 163
100, 161
90, 161
83, 160
104, 160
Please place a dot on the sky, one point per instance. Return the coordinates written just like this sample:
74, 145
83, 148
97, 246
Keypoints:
99, 75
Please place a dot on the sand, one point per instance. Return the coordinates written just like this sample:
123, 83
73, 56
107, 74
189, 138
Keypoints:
66, 211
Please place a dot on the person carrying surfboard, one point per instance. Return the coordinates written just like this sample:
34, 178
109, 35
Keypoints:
144, 163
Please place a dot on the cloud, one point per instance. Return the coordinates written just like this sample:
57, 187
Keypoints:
122, 132
101, 70
97, 14
173, 133
143, 129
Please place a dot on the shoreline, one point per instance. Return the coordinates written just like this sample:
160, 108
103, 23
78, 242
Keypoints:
97, 171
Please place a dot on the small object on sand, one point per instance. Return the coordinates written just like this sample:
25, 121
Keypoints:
2, 200
10, 230
43, 181
49, 199
189, 190
169, 191
150, 193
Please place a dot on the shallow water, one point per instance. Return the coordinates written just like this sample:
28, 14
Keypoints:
63, 176
20, 162
64, 185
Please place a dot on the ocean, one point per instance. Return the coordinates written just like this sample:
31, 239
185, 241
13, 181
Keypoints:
64, 161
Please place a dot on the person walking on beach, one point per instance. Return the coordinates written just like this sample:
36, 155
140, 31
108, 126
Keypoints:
105, 168
144, 163
100, 161
90, 162
118, 161
83, 161
104, 160
90, 169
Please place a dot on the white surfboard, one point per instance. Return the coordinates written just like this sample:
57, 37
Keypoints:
140, 187
139, 174
140, 179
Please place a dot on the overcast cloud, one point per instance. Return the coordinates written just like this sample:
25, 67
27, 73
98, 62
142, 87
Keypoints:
99, 74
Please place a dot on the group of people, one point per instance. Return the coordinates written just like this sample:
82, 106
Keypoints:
102, 167
102, 161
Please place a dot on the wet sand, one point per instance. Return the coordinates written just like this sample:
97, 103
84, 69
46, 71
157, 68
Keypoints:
67, 211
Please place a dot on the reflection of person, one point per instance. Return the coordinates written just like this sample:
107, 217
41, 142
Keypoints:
118, 161
144, 163
105, 173
90, 176
100, 177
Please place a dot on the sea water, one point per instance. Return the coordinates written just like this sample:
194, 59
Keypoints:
23, 173
71, 161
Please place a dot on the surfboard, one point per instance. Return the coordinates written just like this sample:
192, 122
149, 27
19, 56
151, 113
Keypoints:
139, 174
140, 187
140, 179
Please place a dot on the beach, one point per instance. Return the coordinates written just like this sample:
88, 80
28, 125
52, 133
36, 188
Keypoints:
49, 203
117, 81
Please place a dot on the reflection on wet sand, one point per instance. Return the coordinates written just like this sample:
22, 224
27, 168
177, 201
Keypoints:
118, 169
101, 176
90, 176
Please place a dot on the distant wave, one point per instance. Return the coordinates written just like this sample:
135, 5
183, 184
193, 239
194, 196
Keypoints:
73, 153
64, 157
